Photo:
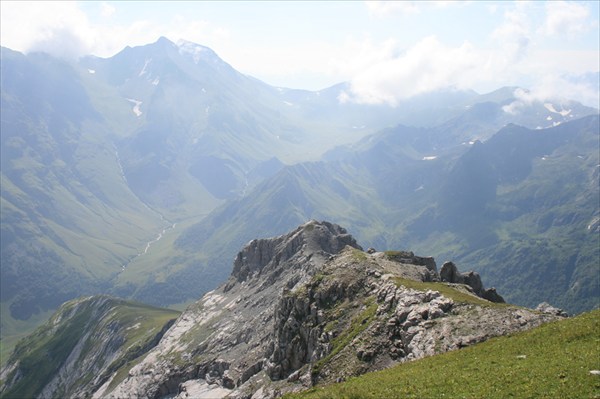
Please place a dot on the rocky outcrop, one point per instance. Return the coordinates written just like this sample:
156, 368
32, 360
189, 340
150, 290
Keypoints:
262, 256
226, 340
408, 257
545, 307
449, 273
310, 307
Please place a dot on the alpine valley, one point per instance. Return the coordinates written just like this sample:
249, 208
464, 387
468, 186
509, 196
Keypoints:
130, 183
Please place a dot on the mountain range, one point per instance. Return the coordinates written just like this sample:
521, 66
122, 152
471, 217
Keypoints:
142, 174
521, 208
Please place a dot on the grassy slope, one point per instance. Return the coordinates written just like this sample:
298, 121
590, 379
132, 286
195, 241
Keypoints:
551, 361
42, 353
14, 330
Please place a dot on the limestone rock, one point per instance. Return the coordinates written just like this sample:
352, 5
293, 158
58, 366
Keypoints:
545, 307
449, 273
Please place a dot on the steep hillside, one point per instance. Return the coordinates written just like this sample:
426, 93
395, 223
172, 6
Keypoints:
87, 342
521, 207
69, 219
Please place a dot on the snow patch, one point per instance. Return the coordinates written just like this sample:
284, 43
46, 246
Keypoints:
562, 112
136, 107
134, 327
91, 71
143, 71
431, 158
549, 118
288, 103
156, 81
191, 49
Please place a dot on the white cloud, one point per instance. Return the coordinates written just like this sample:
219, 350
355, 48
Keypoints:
64, 30
381, 68
425, 67
565, 18
514, 59
381, 9
393, 8
107, 10
450, 3
555, 88
514, 35
59, 28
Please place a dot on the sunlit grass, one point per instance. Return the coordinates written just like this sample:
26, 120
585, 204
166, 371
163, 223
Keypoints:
551, 361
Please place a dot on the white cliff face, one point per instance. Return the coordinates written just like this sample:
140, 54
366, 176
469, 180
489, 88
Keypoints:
310, 307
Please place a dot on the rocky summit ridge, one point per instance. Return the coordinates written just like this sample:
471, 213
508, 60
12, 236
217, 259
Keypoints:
312, 307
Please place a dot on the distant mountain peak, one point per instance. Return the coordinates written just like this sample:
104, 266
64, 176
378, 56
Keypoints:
196, 51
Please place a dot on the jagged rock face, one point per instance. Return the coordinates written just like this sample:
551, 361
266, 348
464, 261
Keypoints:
311, 307
449, 273
265, 255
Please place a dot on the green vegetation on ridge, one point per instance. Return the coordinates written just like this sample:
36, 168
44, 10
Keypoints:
87, 323
551, 361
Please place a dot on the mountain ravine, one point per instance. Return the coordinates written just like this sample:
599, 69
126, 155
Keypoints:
305, 308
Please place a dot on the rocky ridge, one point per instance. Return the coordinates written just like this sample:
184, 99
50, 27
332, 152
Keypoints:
84, 343
311, 307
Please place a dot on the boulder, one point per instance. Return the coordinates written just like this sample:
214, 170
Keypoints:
449, 273
546, 308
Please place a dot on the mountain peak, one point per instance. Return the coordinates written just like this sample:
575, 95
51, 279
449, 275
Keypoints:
312, 241
163, 40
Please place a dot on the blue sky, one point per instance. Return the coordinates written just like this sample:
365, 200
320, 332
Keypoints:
388, 51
